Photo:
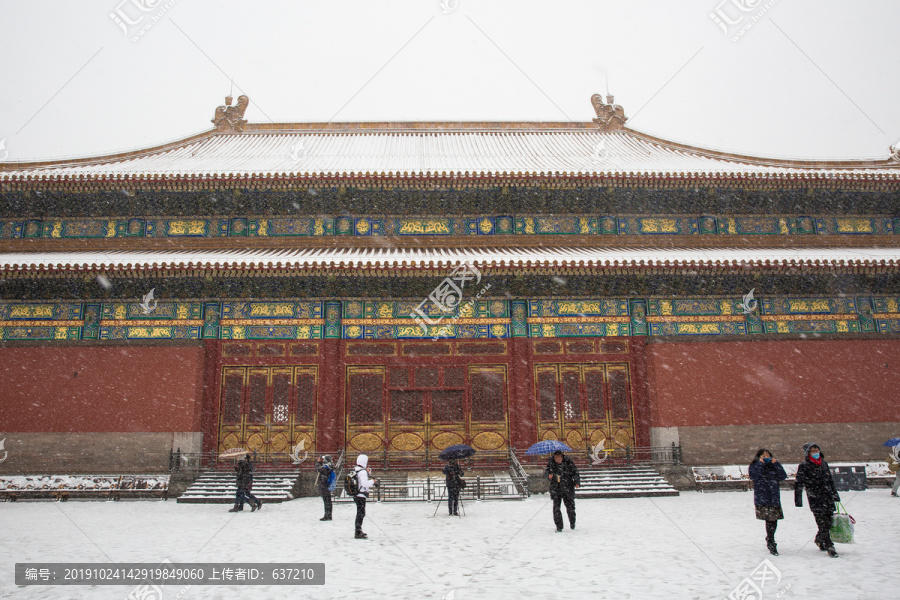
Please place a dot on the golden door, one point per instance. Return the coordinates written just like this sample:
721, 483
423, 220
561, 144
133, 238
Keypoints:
588, 406
414, 408
269, 410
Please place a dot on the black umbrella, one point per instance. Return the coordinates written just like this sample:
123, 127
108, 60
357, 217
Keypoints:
457, 451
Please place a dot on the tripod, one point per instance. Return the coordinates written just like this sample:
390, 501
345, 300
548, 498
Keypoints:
441, 499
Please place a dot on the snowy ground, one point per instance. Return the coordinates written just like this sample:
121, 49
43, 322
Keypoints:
692, 546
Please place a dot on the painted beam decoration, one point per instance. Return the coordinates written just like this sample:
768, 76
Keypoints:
472, 318
474, 225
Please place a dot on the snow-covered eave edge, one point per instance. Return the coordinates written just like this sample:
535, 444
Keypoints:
10, 265
866, 169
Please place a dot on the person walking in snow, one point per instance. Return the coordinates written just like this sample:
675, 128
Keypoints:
564, 478
325, 470
362, 472
766, 472
453, 473
244, 470
894, 465
814, 475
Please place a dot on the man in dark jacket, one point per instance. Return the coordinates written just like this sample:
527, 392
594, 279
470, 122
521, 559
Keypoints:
564, 478
244, 470
453, 473
325, 469
814, 475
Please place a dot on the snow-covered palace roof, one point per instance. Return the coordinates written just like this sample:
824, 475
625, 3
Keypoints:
602, 148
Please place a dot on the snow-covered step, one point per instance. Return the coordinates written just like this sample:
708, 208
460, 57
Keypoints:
218, 487
623, 483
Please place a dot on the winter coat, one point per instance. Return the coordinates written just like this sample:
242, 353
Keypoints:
565, 477
453, 473
324, 470
819, 486
765, 478
893, 465
244, 470
362, 476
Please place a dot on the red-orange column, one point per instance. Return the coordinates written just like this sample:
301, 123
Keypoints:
522, 426
641, 393
209, 415
330, 418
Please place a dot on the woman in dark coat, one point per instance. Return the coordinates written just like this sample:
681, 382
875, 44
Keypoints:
244, 470
453, 472
564, 478
766, 472
814, 475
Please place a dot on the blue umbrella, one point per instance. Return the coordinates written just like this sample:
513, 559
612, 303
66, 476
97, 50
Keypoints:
456, 451
892, 442
546, 447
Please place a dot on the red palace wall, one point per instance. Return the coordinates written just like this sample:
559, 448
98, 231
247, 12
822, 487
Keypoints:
101, 389
726, 397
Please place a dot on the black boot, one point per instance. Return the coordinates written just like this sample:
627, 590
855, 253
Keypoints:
831, 552
236, 509
360, 535
773, 548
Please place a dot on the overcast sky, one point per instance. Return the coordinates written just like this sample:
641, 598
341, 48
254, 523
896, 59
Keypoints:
805, 79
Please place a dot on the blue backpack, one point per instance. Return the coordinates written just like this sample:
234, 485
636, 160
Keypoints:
332, 479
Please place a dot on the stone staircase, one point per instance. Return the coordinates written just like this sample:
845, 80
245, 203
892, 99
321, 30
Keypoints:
218, 487
624, 482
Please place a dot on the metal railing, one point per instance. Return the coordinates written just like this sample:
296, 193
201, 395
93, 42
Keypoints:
617, 457
196, 462
517, 472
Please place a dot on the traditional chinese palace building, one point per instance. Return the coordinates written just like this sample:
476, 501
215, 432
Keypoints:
407, 286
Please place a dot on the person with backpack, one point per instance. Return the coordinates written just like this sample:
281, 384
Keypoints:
454, 474
244, 470
815, 475
564, 478
357, 485
325, 479
766, 472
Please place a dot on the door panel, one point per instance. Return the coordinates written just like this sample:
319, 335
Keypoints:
258, 410
585, 405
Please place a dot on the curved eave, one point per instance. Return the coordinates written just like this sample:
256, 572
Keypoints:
448, 153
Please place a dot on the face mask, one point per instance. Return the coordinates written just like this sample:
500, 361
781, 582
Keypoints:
767, 459
815, 455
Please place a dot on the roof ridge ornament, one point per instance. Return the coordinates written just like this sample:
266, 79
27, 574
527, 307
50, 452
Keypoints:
610, 116
230, 119
895, 152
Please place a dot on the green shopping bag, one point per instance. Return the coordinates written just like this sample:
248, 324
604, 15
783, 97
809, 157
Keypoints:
842, 526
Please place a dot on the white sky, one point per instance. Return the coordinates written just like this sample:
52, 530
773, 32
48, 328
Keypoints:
809, 79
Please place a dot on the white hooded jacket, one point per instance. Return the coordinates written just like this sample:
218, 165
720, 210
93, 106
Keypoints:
362, 476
